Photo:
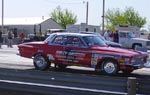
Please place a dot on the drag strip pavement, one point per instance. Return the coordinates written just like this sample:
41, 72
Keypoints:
10, 59
53, 83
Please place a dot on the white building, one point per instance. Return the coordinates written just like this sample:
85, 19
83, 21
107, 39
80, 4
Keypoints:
30, 25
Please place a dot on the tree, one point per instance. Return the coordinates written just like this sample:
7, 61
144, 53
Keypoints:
128, 17
63, 17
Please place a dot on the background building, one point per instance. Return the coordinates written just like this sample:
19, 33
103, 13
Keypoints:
83, 27
36, 25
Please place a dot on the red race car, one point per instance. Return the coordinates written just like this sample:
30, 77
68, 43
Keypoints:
67, 49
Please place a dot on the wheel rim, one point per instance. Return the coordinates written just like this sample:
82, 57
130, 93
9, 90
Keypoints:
109, 67
40, 61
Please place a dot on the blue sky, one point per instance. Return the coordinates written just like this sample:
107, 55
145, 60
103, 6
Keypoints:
39, 8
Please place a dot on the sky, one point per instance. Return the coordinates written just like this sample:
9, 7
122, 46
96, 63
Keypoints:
39, 8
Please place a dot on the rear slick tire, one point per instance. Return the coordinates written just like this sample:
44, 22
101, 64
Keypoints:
41, 62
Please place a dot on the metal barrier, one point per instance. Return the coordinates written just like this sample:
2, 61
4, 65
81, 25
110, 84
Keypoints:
143, 86
58, 83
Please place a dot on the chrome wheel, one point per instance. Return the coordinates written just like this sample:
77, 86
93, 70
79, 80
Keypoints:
110, 67
40, 62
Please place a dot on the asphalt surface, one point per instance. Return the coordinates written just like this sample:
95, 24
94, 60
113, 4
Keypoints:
10, 59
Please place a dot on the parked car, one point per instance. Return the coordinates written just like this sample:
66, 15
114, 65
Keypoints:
109, 43
33, 37
50, 31
128, 39
89, 50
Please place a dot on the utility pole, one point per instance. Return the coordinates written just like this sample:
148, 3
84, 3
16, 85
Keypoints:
103, 16
2, 27
87, 9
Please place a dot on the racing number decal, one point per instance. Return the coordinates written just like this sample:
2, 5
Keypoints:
66, 55
69, 56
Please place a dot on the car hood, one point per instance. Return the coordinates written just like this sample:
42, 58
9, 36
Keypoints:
118, 51
113, 44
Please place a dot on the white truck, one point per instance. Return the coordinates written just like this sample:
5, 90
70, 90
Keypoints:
129, 38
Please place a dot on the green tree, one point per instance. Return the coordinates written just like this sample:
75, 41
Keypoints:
128, 17
63, 17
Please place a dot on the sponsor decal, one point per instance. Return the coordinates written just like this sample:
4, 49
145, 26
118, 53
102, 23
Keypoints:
40, 51
94, 60
70, 56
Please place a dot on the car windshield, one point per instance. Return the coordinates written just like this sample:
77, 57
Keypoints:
94, 41
101, 37
50, 37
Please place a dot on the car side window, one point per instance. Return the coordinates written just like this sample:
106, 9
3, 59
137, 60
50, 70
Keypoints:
122, 35
74, 41
58, 40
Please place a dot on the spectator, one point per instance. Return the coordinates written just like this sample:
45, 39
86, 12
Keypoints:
15, 33
15, 41
107, 35
116, 36
22, 36
10, 39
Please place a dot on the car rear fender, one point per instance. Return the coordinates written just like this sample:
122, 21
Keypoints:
40, 53
26, 51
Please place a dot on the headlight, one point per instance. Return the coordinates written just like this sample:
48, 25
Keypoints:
139, 60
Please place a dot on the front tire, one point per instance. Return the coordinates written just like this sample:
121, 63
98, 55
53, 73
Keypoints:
110, 67
41, 62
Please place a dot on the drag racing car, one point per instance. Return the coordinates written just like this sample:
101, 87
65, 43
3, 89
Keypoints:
79, 49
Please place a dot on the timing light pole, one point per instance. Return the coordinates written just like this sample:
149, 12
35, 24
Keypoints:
103, 16
87, 9
2, 27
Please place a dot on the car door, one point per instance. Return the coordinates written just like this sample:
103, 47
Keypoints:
76, 52
123, 39
55, 48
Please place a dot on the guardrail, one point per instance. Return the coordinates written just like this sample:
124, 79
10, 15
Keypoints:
60, 83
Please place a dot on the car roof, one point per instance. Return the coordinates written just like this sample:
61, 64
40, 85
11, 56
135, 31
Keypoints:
74, 34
